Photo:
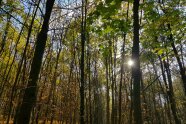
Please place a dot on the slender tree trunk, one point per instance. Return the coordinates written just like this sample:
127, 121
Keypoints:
114, 80
181, 67
82, 84
29, 98
122, 69
170, 93
167, 89
89, 80
107, 94
136, 67
159, 94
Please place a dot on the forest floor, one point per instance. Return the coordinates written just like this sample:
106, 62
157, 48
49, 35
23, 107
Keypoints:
40, 122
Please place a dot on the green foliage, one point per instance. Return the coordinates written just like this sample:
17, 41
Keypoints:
105, 19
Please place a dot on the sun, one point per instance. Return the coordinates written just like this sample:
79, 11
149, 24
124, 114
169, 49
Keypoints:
130, 63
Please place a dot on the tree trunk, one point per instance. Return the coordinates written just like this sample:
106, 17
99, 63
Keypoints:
181, 67
136, 67
29, 98
171, 93
167, 89
82, 83
107, 94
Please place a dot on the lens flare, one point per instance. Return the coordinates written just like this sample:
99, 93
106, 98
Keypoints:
130, 63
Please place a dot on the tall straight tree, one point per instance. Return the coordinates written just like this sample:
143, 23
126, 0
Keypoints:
180, 64
30, 94
83, 39
136, 68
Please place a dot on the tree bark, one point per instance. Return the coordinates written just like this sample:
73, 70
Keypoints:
29, 98
82, 83
181, 67
171, 93
136, 68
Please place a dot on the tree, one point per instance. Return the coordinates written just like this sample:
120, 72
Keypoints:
30, 94
83, 39
136, 68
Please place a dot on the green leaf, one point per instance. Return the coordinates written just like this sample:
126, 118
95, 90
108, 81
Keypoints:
161, 51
